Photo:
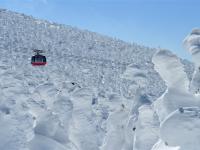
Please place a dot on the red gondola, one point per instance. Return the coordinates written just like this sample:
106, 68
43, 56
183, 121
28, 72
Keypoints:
38, 59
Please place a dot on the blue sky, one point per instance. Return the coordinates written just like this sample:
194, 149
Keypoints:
154, 23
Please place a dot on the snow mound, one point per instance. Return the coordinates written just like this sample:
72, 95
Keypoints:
147, 129
160, 145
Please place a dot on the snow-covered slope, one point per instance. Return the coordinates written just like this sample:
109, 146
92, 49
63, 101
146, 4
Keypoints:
77, 100
95, 93
84, 57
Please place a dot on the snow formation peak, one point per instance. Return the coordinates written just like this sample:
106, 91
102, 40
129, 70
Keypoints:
192, 43
167, 64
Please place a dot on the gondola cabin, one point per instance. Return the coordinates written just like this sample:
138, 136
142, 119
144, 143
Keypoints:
38, 59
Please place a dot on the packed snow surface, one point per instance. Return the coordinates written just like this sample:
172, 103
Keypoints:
95, 93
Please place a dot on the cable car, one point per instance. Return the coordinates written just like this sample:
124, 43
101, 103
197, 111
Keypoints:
38, 59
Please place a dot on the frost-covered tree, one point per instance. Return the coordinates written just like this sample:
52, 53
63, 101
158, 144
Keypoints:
179, 107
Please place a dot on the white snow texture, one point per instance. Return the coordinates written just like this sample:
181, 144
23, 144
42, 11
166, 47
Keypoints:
95, 93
